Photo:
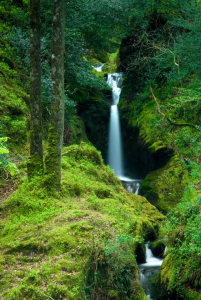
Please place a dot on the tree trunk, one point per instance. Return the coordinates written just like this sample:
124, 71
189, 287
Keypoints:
55, 137
35, 160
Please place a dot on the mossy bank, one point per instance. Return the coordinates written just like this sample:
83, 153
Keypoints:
77, 244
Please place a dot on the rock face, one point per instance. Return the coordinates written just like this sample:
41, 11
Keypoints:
158, 248
164, 188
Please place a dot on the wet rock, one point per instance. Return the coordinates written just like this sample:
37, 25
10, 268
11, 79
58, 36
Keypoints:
158, 248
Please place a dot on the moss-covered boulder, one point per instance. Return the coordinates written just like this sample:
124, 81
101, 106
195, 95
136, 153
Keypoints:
76, 244
164, 188
158, 248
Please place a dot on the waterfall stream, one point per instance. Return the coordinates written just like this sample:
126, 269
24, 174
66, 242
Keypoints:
149, 270
115, 143
115, 157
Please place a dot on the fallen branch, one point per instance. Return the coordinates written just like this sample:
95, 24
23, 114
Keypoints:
166, 117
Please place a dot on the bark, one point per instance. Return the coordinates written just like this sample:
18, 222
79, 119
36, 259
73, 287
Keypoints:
55, 137
35, 160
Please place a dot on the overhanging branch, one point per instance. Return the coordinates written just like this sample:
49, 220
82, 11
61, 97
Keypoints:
166, 117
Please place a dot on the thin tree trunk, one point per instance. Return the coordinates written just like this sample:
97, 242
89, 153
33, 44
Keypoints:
55, 137
35, 160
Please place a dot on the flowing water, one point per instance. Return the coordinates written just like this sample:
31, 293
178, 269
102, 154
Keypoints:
149, 270
131, 185
115, 143
115, 157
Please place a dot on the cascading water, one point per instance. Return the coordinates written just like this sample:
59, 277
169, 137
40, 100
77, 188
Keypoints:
149, 270
131, 185
115, 158
115, 145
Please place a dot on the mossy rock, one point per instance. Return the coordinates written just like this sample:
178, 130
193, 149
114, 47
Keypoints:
164, 188
112, 63
162, 288
84, 151
158, 248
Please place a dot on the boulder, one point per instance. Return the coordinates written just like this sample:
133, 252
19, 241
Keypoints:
158, 248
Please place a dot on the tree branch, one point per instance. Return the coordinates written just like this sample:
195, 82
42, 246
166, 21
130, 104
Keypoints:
166, 117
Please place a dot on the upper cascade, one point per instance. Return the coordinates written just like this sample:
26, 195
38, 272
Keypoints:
115, 80
98, 67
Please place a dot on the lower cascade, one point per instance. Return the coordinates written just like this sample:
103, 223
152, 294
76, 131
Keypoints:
131, 185
149, 270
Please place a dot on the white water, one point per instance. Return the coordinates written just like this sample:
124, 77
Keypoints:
151, 260
115, 144
115, 158
99, 67
149, 270
131, 185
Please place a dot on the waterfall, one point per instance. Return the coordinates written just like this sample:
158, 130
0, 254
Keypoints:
115, 158
115, 144
149, 270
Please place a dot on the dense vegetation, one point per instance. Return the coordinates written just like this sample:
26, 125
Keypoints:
81, 243
161, 95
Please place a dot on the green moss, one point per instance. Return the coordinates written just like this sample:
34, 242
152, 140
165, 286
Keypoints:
164, 188
34, 165
56, 240
84, 152
112, 63
158, 248
74, 132
192, 294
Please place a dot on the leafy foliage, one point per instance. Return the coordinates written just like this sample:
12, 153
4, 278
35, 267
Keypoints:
5, 164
